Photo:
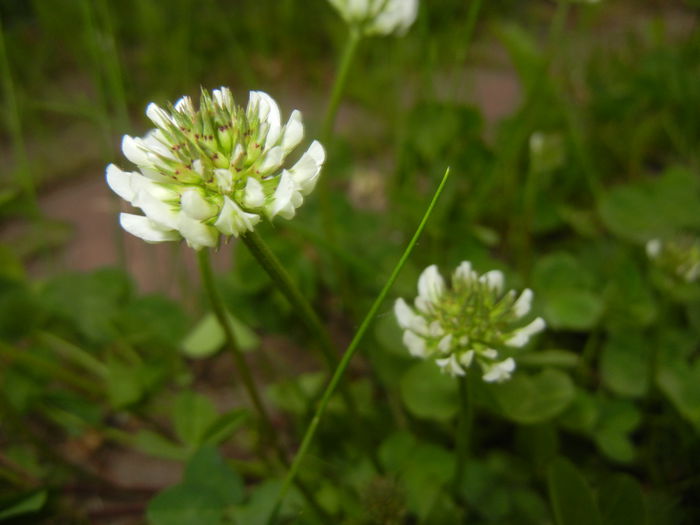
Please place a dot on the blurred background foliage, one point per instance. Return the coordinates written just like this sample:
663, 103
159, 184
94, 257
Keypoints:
572, 132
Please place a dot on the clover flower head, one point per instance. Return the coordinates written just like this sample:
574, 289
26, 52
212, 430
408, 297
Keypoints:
472, 320
214, 170
679, 256
378, 17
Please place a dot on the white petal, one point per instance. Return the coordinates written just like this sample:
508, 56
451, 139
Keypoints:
146, 229
522, 336
223, 179
223, 98
158, 115
134, 151
196, 206
148, 198
197, 234
431, 284
271, 160
435, 329
450, 366
494, 280
445, 344
522, 306
293, 132
653, 248
254, 196
415, 344
184, 105
499, 372
404, 314
490, 353
463, 274
306, 171
233, 220
282, 200
466, 359
120, 182
269, 113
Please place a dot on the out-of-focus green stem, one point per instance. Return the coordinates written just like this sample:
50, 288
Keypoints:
464, 429
259, 249
341, 79
262, 253
353, 346
219, 308
324, 188
14, 123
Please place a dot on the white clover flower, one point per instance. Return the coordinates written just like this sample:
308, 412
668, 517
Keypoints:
214, 170
378, 17
469, 321
679, 256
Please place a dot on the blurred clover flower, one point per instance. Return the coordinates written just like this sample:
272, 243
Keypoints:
468, 322
679, 256
214, 170
378, 17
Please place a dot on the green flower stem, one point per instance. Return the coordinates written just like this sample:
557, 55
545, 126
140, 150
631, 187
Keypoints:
339, 84
262, 253
259, 249
464, 429
217, 305
327, 215
353, 346
269, 431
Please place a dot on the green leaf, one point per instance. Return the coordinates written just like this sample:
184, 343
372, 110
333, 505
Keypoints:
582, 413
156, 445
185, 504
26, 504
534, 399
680, 383
262, 502
570, 496
207, 468
89, 301
654, 207
20, 310
625, 364
153, 320
208, 488
565, 286
572, 309
428, 393
430, 469
617, 419
123, 383
207, 337
193, 415
621, 501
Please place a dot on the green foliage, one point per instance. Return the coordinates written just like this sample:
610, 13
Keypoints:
571, 145
209, 486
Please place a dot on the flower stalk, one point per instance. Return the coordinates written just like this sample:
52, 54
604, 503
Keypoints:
353, 347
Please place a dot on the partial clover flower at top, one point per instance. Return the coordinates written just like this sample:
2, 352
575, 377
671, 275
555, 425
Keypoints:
214, 170
471, 321
378, 17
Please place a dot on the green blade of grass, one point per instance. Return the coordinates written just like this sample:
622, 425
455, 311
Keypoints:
353, 346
